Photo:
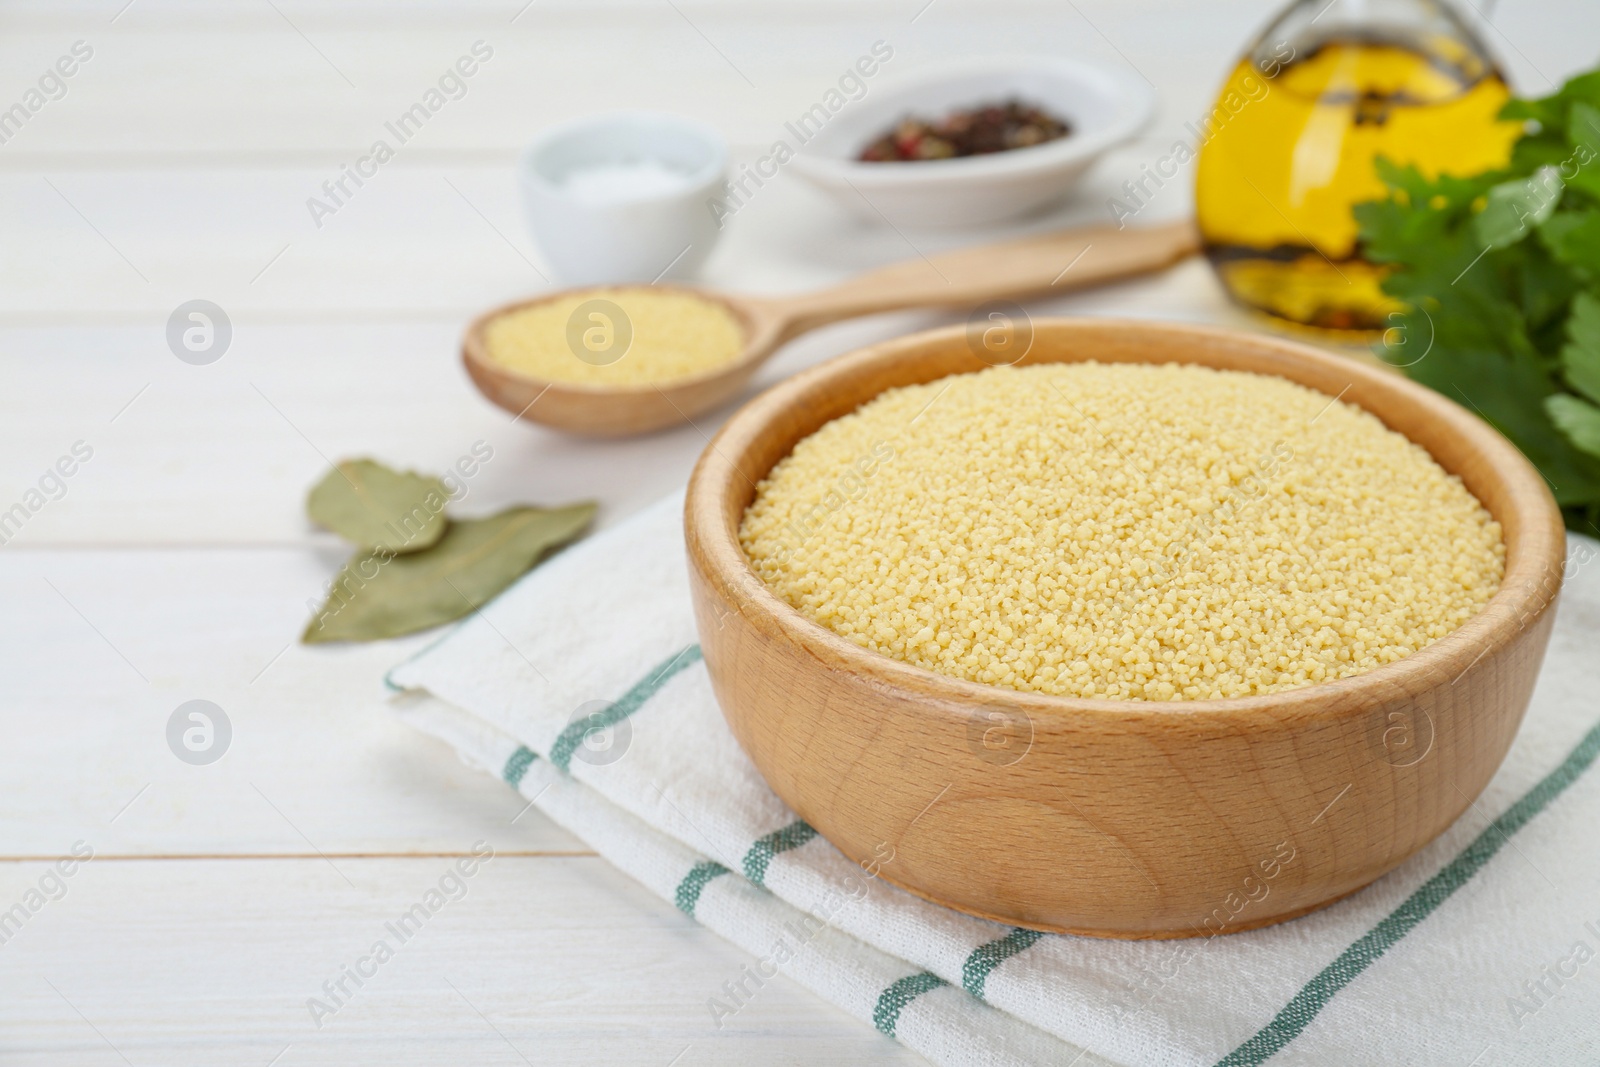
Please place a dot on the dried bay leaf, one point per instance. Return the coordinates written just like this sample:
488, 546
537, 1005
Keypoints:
377, 507
379, 593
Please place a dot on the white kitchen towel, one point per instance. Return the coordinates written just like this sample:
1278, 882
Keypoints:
1479, 950
940, 1021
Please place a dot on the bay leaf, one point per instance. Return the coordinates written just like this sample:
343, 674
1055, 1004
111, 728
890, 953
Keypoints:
376, 507
379, 593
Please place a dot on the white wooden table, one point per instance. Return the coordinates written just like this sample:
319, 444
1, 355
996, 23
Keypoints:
178, 564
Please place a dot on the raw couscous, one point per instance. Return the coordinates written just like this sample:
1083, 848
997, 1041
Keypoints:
1125, 531
674, 335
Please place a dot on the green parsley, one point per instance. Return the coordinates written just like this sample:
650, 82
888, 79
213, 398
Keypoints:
1500, 277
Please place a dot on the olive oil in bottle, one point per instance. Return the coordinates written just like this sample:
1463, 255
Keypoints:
1292, 143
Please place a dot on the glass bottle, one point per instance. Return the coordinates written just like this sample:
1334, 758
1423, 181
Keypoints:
1289, 147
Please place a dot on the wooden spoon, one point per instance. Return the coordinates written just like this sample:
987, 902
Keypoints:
1032, 266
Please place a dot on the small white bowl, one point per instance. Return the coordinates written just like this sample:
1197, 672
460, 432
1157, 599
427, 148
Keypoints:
659, 229
1104, 107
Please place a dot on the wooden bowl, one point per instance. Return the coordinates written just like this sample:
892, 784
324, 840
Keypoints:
1105, 817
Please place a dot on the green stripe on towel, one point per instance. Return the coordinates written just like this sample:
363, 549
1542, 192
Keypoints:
760, 855
1298, 1013
985, 958
517, 765
630, 702
894, 999
688, 894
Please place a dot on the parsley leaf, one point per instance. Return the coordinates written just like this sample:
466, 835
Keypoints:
1580, 358
1578, 419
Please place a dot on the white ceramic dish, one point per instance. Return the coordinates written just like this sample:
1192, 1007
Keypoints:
646, 235
1105, 108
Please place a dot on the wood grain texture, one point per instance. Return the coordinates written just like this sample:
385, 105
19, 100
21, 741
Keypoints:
196, 963
190, 144
1032, 266
1119, 818
317, 761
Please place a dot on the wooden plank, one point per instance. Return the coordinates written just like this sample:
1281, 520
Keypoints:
535, 961
128, 246
317, 81
101, 649
223, 454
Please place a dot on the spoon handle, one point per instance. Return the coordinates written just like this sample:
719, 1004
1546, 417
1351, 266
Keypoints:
1033, 266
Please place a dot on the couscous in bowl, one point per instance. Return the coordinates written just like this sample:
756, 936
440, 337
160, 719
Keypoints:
1118, 817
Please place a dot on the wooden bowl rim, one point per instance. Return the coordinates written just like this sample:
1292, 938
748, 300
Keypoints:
475, 350
1529, 586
